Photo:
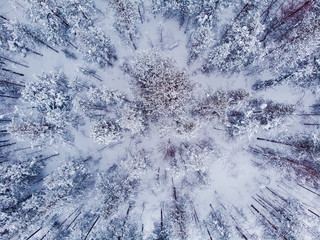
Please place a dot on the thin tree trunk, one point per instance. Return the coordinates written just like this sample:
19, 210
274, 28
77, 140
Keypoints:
267, 11
73, 221
91, 228
161, 220
34, 233
32, 51
71, 44
285, 19
140, 13
6, 145
54, 155
242, 10
4, 18
308, 189
209, 234
276, 194
8, 70
5, 120
42, 42
314, 213
11, 83
14, 62
274, 141
124, 223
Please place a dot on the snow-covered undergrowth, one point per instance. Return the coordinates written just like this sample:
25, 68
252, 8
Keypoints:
129, 119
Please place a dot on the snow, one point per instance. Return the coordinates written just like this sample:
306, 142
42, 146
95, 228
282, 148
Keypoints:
232, 176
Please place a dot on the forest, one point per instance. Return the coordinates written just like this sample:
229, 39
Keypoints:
159, 119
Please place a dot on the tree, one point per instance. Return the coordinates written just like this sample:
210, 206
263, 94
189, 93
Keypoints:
178, 215
9, 87
127, 16
18, 37
290, 41
98, 102
267, 111
199, 41
96, 47
133, 118
162, 87
122, 227
204, 13
256, 114
216, 104
172, 9
51, 117
17, 181
79, 13
238, 46
70, 180
238, 49
161, 229
50, 17
218, 225
107, 132
115, 188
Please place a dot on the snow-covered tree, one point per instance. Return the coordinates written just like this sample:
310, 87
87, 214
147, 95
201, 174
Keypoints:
199, 41
18, 37
95, 102
96, 47
162, 87
50, 17
238, 49
79, 14
50, 116
127, 16
217, 103
115, 188
291, 38
218, 224
107, 132
205, 13
69, 180
178, 9
17, 183
133, 118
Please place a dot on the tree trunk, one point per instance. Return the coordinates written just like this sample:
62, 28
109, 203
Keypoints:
73, 221
14, 62
91, 227
283, 20
8, 70
34, 233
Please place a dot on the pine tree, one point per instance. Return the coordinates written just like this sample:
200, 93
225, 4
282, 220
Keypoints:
161, 87
96, 47
51, 117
